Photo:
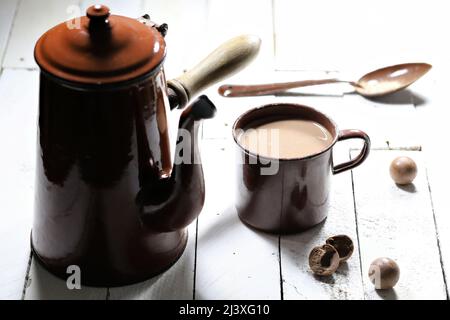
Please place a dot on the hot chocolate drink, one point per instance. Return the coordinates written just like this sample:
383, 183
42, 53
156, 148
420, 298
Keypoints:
286, 138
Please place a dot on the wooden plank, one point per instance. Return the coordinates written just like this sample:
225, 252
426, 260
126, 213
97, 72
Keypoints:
438, 181
434, 114
388, 122
298, 280
174, 284
352, 35
18, 130
33, 18
7, 12
233, 261
397, 222
42, 285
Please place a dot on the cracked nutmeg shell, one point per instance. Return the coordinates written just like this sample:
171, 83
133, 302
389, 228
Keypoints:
343, 245
324, 260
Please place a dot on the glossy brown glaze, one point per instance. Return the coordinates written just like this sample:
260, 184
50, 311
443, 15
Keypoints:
100, 48
390, 79
108, 198
297, 196
98, 150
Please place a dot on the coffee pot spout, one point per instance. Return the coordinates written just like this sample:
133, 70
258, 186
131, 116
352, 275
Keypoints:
172, 203
174, 200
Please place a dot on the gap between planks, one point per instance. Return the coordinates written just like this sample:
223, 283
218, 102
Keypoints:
27, 276
195, 259
8, 36
438, 239
356, 219
281, 269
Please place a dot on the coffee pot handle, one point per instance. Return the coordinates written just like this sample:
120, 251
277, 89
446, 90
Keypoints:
227, 59
353, 134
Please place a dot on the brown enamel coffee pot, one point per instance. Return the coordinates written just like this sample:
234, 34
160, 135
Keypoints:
109, 198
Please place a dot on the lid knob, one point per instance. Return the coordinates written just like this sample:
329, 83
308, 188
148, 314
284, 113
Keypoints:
105, 48
98, 15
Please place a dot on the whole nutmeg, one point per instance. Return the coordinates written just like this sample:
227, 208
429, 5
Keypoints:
343, 245
403, 170
324, 260
384, 273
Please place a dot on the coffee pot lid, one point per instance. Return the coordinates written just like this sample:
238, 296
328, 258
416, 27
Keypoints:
100, 48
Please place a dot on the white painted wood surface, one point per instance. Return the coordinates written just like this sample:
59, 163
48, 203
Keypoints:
42, 285
176, 283
232, 261
390, 123
7, 12
18, 108
33, 18
434, 114
397, 222
227, 19
298, 280
187, 25
356, 36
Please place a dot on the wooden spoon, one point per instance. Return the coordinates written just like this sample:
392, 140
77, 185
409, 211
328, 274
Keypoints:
374, 84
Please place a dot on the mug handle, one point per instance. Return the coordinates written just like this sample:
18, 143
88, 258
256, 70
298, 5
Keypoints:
353, 134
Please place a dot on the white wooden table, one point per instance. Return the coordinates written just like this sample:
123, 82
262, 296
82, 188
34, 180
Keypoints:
301, 39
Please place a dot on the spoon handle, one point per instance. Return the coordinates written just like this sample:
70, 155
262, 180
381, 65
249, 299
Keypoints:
231, 90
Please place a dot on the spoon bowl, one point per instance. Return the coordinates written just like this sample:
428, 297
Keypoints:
390, 79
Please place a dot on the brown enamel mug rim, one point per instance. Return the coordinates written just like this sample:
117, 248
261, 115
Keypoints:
281, 104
